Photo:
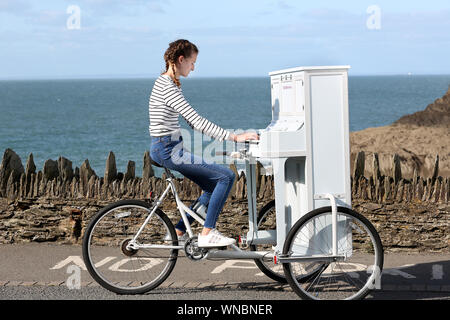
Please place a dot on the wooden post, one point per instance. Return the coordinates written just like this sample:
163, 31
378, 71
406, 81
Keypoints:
414, 184
445, 191
400, 190
420, 187
376, 167
236, 178
396, 169
437, 190
358, 170
110, 169
387, 189
435, 170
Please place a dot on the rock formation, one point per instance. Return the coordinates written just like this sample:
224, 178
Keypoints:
10, 168
416, 138
436, 114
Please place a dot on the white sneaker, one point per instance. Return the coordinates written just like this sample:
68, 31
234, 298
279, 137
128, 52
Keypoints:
214, 239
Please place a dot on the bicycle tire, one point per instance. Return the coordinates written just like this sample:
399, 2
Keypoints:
90, 265
373, 234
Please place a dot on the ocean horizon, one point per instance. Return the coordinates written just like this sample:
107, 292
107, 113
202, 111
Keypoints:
191, 77
82, 118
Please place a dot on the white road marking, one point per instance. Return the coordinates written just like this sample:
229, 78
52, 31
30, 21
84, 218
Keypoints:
104, 261
151, 263
76, 260
232, 264
397, 272
118, 266
437, 272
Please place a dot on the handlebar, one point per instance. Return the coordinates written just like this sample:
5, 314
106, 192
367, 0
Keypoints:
241, 154
222, 153
234, 154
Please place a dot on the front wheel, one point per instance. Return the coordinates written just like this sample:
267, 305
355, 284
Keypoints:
351, 277
267, 221
118, 266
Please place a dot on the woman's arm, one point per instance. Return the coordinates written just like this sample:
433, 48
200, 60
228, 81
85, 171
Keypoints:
175, 99
243, 136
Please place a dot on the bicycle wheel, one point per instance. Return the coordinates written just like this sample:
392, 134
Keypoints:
350, 278
267, 221
118, 267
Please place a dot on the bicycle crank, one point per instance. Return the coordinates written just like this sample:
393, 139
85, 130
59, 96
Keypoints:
192, 251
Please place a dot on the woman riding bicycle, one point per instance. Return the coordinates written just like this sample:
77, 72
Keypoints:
166, 104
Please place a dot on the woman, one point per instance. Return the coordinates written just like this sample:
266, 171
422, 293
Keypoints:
166, 104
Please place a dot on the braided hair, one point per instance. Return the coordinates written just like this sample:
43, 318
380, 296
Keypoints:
176, 49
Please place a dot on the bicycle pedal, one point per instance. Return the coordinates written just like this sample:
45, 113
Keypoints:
242, 242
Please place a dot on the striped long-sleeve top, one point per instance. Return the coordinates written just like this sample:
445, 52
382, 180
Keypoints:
167, 103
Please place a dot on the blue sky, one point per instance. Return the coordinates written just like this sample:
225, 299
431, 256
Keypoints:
126, 38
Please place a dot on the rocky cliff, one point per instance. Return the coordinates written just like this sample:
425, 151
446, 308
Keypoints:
436, 114
416, 138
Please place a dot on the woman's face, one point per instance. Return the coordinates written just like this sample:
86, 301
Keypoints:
186, 65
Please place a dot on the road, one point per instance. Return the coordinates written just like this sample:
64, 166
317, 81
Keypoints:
42, 272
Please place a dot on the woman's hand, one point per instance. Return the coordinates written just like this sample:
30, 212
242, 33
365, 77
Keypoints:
245, 136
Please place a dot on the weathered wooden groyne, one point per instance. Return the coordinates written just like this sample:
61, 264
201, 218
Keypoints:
58, 179
393, 187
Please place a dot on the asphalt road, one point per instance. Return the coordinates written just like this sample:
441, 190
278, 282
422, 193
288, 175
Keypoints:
41, 272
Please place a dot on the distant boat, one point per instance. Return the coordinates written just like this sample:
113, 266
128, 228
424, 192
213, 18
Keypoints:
409, 73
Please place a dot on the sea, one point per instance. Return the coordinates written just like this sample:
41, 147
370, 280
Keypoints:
81, 119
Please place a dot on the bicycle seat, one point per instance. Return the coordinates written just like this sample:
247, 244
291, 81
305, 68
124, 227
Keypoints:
154, 163
168, 172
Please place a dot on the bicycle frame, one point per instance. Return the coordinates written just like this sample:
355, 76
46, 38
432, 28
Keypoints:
181, 207
236, 253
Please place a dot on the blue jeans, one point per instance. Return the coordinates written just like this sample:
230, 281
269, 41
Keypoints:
215, 180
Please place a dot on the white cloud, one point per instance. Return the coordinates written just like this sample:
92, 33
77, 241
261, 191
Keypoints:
16, 7
102, 8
